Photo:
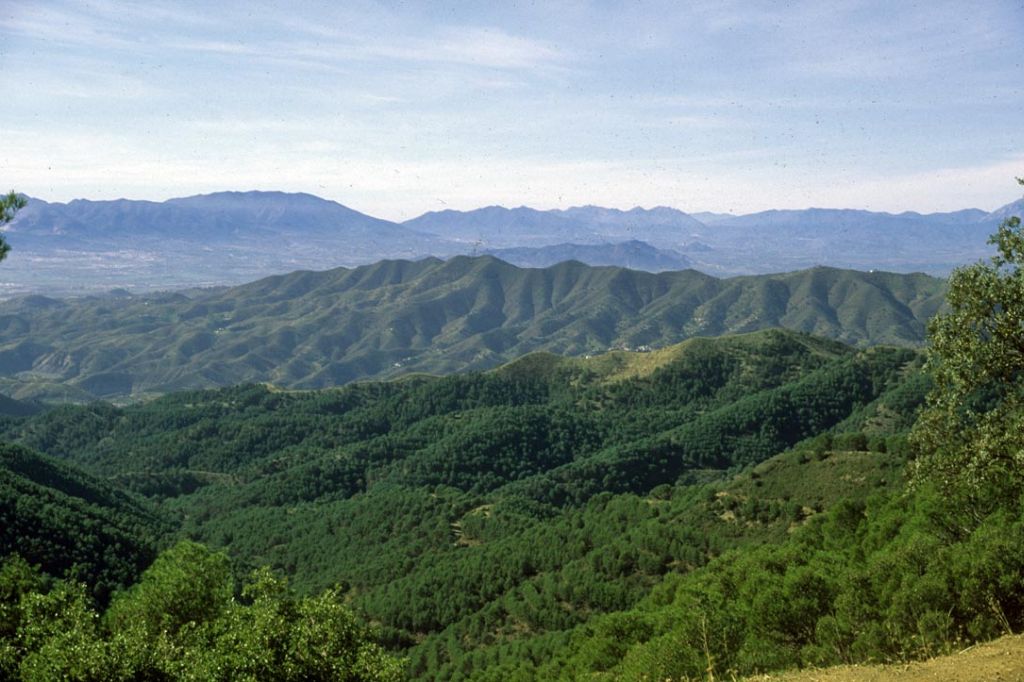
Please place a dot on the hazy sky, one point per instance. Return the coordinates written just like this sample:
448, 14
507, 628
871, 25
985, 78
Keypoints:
399, 108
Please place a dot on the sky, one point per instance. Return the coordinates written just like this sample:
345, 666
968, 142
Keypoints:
399, 108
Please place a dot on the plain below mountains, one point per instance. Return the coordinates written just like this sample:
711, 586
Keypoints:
234, 237
317, 329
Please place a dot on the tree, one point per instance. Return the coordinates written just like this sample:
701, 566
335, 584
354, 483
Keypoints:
186, 584
970, 437
10, 204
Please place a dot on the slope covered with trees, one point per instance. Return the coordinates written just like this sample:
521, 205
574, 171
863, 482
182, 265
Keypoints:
511, 505
57, 516
559, 518
321, 329
914, 573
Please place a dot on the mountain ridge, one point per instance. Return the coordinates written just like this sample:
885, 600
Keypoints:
314, 329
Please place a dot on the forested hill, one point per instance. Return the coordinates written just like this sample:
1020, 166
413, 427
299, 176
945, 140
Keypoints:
623, 516
56, 515
501, 507
442, 499
317, 329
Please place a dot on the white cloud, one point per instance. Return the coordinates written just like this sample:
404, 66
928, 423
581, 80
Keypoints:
57, 26
221, 47
79, 80
467, 46
482, 46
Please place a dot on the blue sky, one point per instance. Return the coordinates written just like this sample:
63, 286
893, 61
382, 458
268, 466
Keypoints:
399, 108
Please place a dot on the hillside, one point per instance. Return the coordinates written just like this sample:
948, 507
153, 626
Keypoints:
576, 517
317, 329
55, 515
545, 492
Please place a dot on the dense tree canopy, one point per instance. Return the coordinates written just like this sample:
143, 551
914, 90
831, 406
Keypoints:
466, 511
972, 435
182, 621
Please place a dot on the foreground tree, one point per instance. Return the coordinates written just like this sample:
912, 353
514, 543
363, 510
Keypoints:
182, 621
10, 204
971, 435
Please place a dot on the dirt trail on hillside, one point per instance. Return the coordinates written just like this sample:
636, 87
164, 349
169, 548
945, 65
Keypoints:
999, 661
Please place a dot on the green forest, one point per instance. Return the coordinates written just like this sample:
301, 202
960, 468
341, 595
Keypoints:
323, 329
721, 507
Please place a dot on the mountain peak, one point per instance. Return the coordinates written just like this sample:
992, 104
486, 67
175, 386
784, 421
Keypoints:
250, 198
1015, 208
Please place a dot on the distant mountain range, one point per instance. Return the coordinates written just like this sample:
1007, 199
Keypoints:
234, 237
316, 329
224, 238
218, 217
499, 227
